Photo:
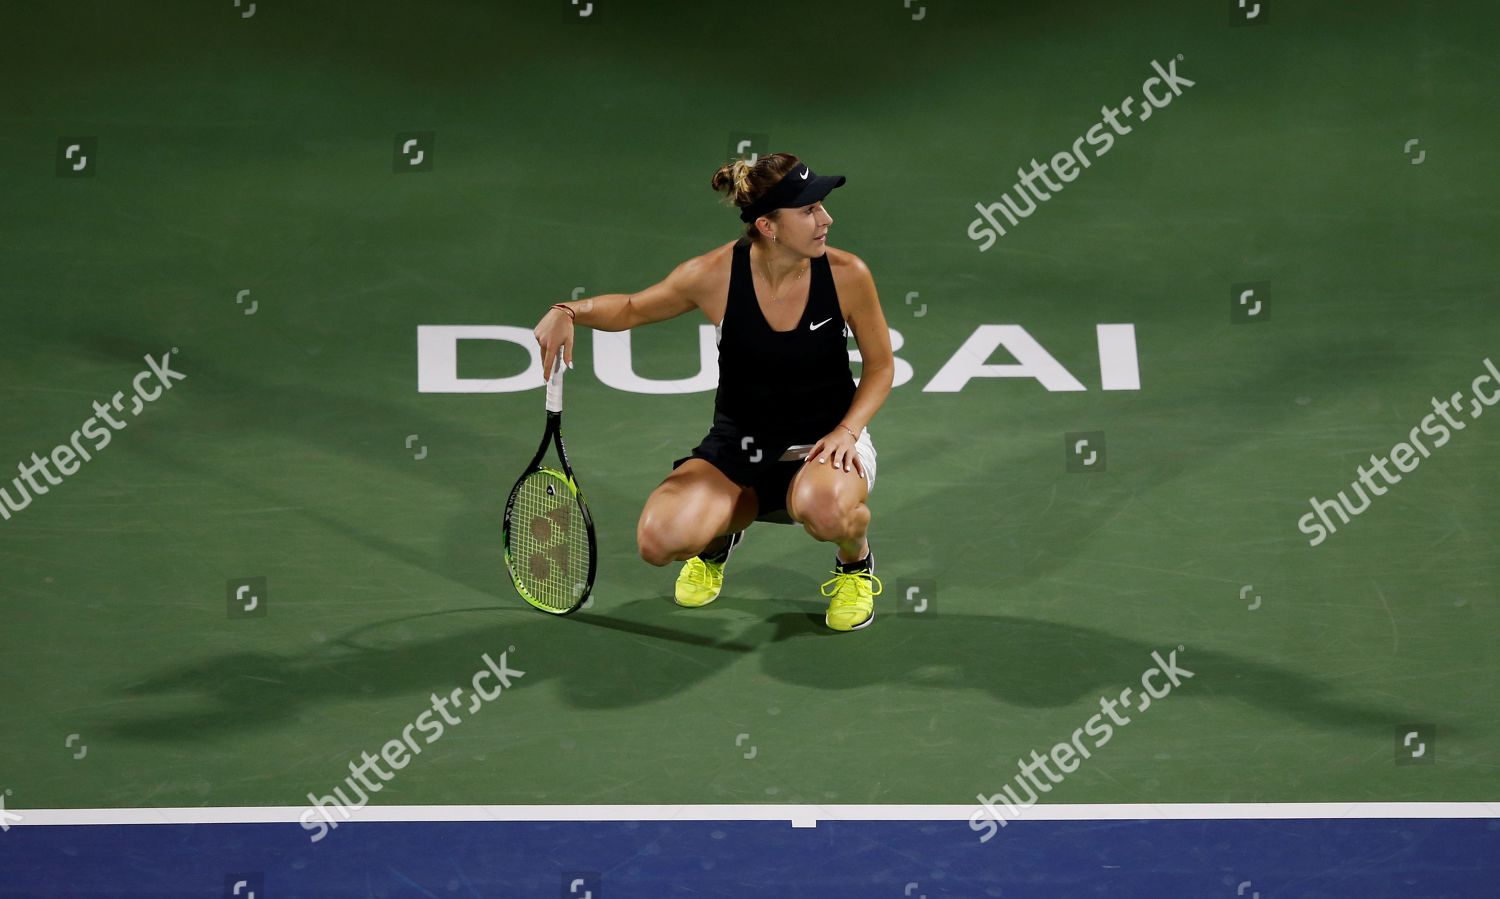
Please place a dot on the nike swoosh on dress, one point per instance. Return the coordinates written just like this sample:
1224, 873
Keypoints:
819, 324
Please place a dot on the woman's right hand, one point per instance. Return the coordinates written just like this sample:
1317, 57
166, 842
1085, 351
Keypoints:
553, 333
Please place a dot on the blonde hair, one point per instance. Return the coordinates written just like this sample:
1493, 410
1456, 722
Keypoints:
743, 182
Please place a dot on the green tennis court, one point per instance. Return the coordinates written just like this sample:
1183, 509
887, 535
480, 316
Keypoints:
247, 207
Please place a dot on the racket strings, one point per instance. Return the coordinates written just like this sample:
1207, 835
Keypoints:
549, 540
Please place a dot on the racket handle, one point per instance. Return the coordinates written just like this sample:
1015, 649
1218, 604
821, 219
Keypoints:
554, 385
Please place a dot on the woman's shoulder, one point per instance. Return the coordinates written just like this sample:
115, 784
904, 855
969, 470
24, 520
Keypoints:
846, 266
719, 256
711, 265
703, 277
844, 259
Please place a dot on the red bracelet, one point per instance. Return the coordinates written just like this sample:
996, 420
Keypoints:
851, 431
572, 316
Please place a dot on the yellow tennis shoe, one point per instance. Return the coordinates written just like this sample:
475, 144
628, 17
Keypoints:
701, 579
852, 593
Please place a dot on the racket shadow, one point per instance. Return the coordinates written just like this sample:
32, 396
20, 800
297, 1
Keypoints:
657, 632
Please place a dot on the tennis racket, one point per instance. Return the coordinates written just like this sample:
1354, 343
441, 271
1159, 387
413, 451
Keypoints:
548, 534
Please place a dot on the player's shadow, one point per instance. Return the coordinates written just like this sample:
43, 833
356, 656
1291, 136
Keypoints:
1041, 664
643, 652
594, 660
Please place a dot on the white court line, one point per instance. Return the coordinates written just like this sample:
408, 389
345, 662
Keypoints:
798, 815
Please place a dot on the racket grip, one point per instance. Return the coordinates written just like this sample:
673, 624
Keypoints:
554, 385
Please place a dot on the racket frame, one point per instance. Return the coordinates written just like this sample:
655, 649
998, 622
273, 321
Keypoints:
553, 435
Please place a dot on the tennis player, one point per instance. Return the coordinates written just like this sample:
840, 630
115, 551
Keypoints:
789, 441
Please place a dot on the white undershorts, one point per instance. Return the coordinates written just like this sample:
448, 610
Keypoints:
864, 446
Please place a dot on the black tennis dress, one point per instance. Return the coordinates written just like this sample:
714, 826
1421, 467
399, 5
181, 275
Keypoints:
776, 388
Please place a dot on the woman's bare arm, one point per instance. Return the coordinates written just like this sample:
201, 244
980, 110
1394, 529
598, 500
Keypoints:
878, 368
679, 292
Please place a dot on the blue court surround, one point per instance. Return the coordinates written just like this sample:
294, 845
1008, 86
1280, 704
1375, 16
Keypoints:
1410, 858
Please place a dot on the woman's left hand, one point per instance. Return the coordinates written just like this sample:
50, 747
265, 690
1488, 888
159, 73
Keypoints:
837, 448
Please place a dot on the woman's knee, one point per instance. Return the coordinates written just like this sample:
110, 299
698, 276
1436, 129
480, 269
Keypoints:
658, 553
828, 513
658, 542
835, 524
686, 512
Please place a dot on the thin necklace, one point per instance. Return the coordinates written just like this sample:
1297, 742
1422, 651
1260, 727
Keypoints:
772, 287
